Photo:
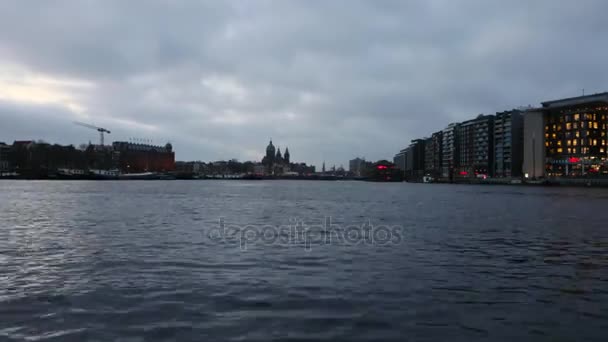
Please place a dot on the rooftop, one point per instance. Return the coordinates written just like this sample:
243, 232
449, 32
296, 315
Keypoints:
571, 101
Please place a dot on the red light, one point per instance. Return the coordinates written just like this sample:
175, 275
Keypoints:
574, 160
381, 167
463, 173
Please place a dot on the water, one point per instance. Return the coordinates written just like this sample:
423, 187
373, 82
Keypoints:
139, 261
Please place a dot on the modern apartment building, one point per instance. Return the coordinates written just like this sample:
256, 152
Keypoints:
508, 143
476, 147
450, 149
433, 147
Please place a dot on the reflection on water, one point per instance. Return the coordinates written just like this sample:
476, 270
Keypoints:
133, 260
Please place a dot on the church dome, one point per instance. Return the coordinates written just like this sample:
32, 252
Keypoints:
270, 149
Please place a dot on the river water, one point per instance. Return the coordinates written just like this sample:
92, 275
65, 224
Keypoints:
301, 260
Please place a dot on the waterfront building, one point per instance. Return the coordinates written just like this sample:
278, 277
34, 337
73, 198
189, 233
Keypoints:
136, 158
476, 154
534, 144
573, 134
400, 160
450, 150
414, 168
355, 166
432, 155
508, 143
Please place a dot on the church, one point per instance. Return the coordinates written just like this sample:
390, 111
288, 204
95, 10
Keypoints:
274, 162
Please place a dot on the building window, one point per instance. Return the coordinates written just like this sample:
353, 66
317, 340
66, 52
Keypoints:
595, 125
575, 142
582, 124
568, 125
559, 143
594, 142
576, 117
569, 142
569, 150
575, 125
577, 134
559, 150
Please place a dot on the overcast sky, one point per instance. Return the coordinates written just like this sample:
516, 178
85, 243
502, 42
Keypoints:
331, 80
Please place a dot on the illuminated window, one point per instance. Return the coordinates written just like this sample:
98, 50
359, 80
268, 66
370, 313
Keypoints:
559, 150
576, 117
574, 150
575, 142
554, 136
559, 128
601, 150
582, 124
603, 142
546, 128
577, 134
568, 142
559, 143
575, 125
582, 142
569, 150
568, 125
594, 142
546, 144
595, 125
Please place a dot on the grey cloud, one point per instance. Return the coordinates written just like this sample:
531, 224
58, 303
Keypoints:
331, 80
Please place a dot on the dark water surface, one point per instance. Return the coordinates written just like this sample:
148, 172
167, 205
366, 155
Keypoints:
133, 261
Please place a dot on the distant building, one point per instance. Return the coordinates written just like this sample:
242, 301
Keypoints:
275, 162
355, 166
508, 143
450, 150
135, 158
259, 169
433, 148
5, 157
476, 147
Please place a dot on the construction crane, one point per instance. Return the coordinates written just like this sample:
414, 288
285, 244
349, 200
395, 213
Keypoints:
98, 129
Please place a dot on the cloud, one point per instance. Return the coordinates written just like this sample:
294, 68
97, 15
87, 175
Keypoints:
330, 80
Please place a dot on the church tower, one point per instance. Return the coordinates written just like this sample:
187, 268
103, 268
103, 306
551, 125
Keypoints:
286, 155
278, 158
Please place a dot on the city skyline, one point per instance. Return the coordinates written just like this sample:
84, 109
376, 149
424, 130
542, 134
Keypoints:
332, 81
